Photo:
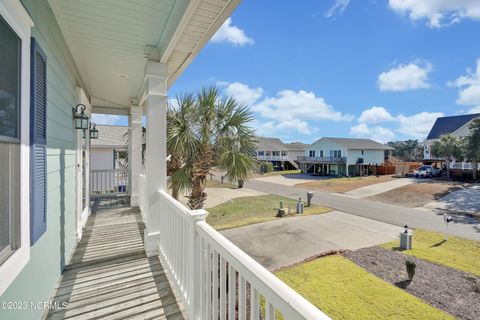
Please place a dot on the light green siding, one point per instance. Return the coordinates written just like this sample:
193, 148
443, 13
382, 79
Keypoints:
369, 156
48, 256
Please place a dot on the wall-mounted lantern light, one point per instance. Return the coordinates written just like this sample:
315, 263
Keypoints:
80, 119
93, 131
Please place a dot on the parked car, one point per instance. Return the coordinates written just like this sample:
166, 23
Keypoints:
427, 172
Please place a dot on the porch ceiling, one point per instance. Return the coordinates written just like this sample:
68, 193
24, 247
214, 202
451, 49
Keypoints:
110, 40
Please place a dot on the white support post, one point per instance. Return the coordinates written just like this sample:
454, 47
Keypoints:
155, 98
134, 153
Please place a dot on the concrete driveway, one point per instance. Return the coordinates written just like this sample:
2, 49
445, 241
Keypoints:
216, 196
378, 188
289, 179
287, 241
465, 201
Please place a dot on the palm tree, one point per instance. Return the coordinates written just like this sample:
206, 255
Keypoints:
448, 147
472, 145
207, 130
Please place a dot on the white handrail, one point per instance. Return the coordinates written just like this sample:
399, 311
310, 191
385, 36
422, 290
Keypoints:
276, 293
206, 268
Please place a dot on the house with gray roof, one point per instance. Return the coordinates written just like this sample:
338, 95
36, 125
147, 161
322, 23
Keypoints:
282, 155
454, 125
343, 156
105, 151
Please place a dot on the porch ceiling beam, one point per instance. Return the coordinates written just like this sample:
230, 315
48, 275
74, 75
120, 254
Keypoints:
110, 110
104, 106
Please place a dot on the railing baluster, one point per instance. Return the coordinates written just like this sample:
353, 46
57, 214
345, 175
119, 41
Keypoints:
254, 303
223, 290
269, 311
215, 285
242, 298
232, 275
209, 283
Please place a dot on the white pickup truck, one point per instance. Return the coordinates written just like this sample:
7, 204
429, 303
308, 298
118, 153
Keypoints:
427, 172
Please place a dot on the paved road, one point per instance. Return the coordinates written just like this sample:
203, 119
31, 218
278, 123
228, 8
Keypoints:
283, 242
415, 218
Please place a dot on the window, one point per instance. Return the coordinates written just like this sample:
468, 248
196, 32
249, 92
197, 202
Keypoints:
260, 153
362, 152
276, 153
335, 153
284, 153
311, 153
15, 27
10, 107
321, 153
339, 153
267, 153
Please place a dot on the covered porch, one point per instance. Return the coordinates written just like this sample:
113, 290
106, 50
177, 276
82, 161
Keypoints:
154, 258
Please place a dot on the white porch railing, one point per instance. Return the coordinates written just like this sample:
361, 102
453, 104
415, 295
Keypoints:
273, 158
217, 280
461, 165
108, 181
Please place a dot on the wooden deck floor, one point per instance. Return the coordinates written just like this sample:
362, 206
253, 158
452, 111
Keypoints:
110, 277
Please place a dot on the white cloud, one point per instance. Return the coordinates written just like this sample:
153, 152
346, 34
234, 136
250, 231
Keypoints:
469, 86
287, 112
439, 13
232, 34
283, 128
337, 9
414, 126
243, 93
109, 119
377, 133
405, 77
289, 105
474, 110
417, 125
375, 115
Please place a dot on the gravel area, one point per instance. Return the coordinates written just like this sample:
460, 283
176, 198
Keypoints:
451, 290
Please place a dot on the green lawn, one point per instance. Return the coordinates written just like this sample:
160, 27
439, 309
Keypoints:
248, 210
343, 290
218, 184
456, 253
274, 173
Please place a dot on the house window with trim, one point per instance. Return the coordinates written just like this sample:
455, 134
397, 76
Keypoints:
311, 153
10, 92
284, 153
260, 153
276, 153
267, 153
321, 153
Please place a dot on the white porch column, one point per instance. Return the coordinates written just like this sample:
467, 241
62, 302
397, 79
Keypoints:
155, 87
134, 153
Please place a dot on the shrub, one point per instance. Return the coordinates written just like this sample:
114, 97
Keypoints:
410, 269
266, 167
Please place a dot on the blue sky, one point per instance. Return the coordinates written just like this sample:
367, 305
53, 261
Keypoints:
373, 68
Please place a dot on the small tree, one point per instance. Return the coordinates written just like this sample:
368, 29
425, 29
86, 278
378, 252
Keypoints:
207, 130
449, 148
472, 146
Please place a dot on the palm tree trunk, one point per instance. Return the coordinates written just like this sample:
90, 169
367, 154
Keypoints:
474, 169
447, 161
197, 196
175, 191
